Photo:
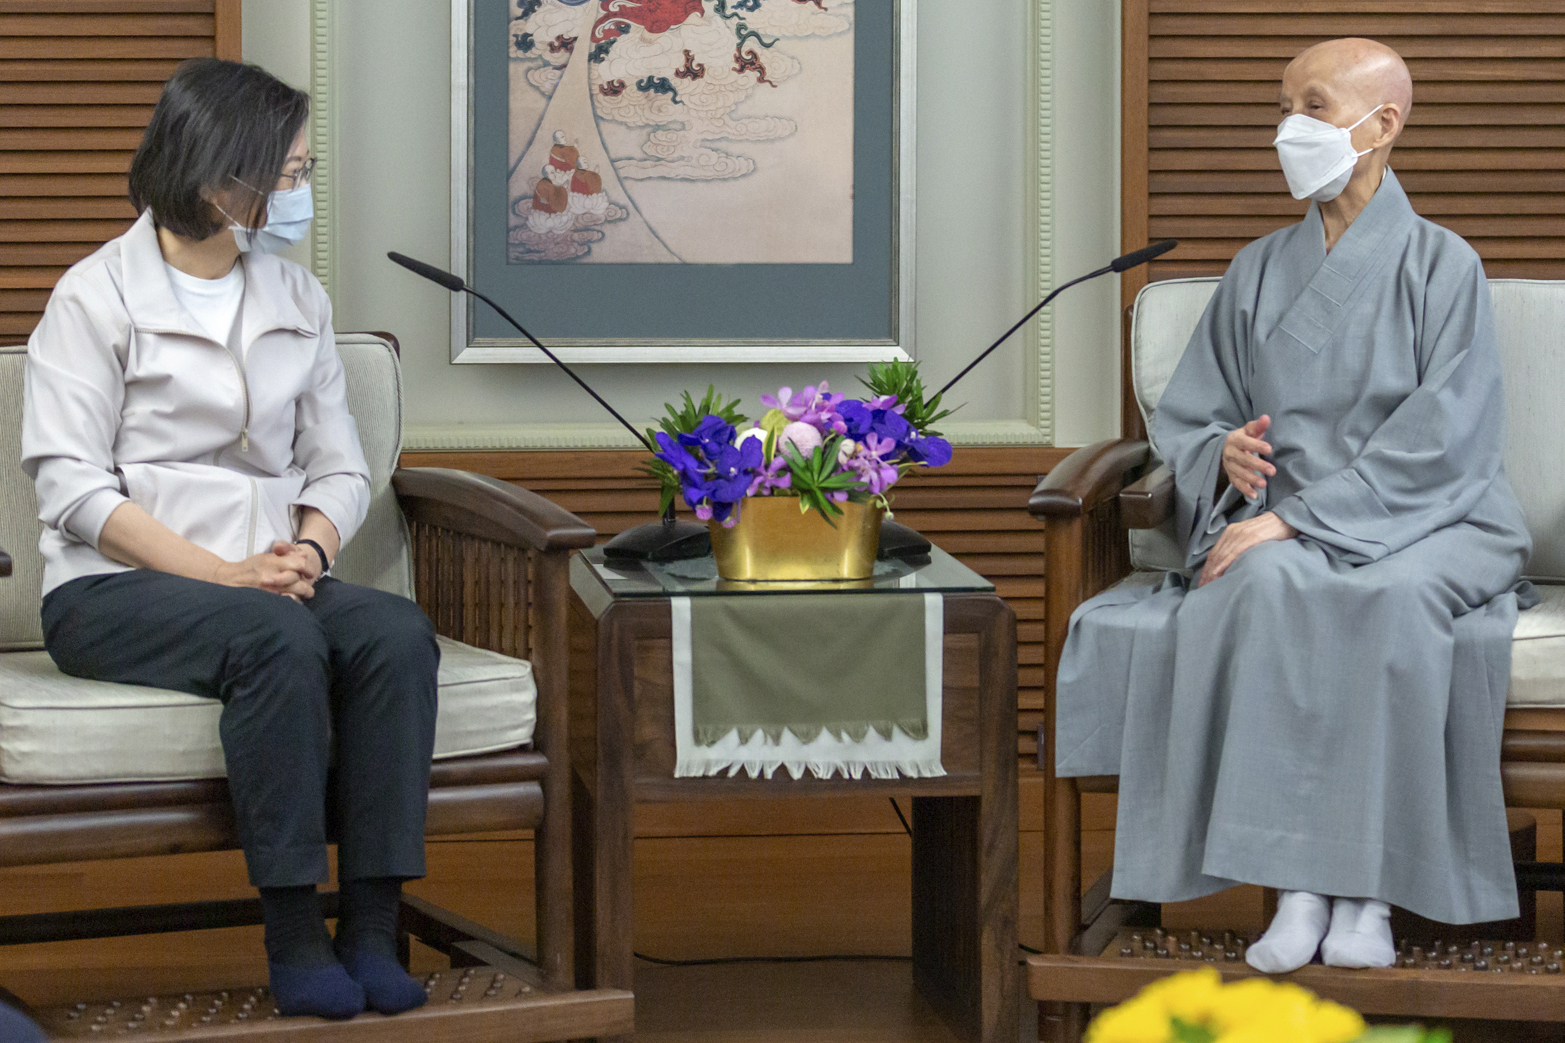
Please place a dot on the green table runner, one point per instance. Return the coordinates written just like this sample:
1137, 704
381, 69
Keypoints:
833, 681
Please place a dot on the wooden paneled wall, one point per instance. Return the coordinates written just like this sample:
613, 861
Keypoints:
975, 508
1483, 152
78, 81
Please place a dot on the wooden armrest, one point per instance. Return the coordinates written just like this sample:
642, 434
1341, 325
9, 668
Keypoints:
5, 563
488, 508
1087, 477
1148, 501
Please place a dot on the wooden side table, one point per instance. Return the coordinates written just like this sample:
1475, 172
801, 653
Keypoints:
964, 824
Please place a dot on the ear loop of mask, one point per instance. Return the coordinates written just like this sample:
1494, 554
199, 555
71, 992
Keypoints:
1367, 115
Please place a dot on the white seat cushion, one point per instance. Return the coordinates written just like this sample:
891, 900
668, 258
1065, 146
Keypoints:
1538, 652
58, 730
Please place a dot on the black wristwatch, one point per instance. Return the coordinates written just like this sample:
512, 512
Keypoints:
320, 553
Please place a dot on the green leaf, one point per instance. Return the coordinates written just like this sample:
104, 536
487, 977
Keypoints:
901, 379
1185, 1032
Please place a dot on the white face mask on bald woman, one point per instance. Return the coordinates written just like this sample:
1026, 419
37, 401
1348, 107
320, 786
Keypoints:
1317, 157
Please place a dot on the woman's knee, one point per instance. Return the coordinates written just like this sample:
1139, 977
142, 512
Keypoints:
397, 634
273, 629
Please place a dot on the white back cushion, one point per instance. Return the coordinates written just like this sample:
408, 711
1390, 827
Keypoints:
19, 526
380, 555
1529, 318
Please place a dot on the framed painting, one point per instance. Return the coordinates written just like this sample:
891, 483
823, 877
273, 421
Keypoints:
684, 180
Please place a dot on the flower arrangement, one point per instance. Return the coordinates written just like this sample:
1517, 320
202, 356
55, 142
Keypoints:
815, 444
1196, 1007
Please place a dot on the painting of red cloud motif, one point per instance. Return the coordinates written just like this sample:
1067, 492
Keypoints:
681, 131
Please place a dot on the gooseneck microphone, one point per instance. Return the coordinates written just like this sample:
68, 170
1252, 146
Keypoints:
455, 284
668, 538
1118, 264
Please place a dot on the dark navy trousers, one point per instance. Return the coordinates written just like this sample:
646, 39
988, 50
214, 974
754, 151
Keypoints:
328, 706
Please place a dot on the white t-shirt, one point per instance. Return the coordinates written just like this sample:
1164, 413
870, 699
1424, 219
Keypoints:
213, 303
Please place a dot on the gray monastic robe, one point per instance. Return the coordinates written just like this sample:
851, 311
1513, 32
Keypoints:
1326, 716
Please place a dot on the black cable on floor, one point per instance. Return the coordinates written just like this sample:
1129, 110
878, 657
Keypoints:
721, 960
716, 961
900, 817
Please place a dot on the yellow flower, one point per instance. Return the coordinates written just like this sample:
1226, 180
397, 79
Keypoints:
1134, 1021
1192, 996
1333, 1023
1261, 1001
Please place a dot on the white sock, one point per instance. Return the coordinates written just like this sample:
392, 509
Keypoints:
1296, 932
1360, 934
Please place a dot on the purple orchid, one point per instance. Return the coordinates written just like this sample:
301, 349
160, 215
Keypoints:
874, 465
815, 405
714, 474
771, 477
931, 451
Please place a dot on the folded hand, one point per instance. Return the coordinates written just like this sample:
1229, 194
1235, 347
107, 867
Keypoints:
1239, 537
285, 569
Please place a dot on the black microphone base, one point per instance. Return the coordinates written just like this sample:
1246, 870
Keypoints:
900, 543
663, 540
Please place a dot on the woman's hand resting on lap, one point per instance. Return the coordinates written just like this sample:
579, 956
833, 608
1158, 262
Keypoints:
1239, 537
285, 569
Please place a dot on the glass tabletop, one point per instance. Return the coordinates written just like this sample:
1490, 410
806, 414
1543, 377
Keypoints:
697, 577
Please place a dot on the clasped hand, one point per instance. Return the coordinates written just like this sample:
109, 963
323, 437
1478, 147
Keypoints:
288, 568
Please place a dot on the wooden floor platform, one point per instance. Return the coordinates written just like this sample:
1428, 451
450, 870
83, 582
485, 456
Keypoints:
1482, 979
472, 1004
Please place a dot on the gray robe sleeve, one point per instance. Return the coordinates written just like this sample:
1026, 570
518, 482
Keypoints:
1438, 452
1204, 401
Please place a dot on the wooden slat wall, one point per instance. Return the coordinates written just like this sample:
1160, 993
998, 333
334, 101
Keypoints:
1482, 154
975, 508
78, 81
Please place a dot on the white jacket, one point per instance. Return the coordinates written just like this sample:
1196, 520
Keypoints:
126, 398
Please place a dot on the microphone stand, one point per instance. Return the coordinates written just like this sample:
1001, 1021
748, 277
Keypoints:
668, 538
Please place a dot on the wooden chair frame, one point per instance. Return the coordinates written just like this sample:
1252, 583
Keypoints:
1088, 504
491, 562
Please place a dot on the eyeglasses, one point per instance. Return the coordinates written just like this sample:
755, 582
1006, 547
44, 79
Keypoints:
302, 175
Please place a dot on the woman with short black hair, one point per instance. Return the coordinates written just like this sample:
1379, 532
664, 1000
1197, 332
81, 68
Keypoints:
197, 470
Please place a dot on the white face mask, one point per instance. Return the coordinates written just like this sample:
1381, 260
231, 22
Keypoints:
1317, 157
288, 216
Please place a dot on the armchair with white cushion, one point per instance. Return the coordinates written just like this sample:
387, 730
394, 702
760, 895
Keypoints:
91, 770
1107, 511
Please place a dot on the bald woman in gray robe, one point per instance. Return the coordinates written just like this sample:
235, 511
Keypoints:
1316, 706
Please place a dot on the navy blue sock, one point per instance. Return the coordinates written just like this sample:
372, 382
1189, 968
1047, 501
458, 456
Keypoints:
326, 992
295, 930
367, 944
388, 988
367, 915
305, 975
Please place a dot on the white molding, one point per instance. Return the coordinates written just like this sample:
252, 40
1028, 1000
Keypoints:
1041, 336
323, 57
461, 137
465, 349
490, 351
503, 437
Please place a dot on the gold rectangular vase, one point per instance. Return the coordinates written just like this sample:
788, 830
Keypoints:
774, 542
